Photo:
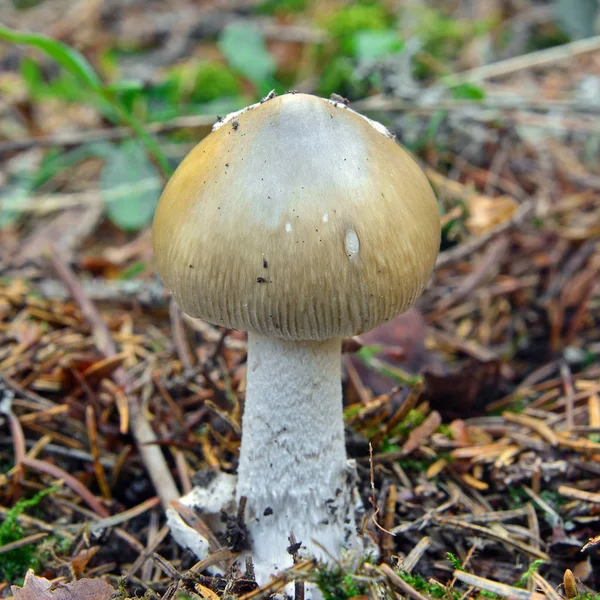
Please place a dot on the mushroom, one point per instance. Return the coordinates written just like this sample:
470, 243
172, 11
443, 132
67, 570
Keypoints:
301, 222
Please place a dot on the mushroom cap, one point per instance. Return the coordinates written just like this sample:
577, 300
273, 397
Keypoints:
297, 218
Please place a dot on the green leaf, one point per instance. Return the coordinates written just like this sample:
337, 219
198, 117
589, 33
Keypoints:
14, 564
373, 44
76, 64
132, 271
467, 91
455, 561
244, 48
533, 568
366, 353
344, 23
130, 186
67, 57
32, 76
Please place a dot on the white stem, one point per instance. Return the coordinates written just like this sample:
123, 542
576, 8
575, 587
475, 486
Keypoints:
293, 469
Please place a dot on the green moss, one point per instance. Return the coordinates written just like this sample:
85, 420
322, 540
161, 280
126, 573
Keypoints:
517, 497
553, 498
337, 584
282, 7
445, 430
443, 37
414, 464
14, 564
517, 406
387, 446
432, 589
343, 24
467, 91
338, 77
214, 80
533, 568
413, 419
454, 561
352, 411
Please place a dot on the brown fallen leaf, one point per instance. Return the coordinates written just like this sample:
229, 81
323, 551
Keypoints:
486, 212
34, 588
38, 588
422, 432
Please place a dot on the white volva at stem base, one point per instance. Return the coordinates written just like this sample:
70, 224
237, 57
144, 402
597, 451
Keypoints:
293, 469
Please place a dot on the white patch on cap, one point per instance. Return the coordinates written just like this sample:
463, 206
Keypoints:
325, 218
375, 124
352, 244
288, 227
234, 115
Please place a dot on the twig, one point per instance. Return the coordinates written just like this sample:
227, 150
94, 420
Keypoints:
142, 558
381, 102
150, 293
58, 473
576, 494
190, 518
183, 350
506, 591
567, 378
453, 255
126, 515
415, 555
114, 133
30, 539
527, 61
490, 533
90, 419
483, 271
400, 583
546, 588
534, 424
373, 496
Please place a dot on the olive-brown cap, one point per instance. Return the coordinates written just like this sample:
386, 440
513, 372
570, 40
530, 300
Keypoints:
298, 218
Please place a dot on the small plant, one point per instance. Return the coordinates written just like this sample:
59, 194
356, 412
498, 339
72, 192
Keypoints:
212, 81
337, 584
442, 38
446, 431
431, 588
343, 24
15, 563
282, 7
533, 568
455, 561
127, 164
415, 464
413, 419
76, 64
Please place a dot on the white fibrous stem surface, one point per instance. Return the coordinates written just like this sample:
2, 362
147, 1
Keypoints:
293, 470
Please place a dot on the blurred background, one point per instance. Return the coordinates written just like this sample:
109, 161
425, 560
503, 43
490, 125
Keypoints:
171, 67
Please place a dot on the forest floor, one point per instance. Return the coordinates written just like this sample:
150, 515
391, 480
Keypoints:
481, 406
